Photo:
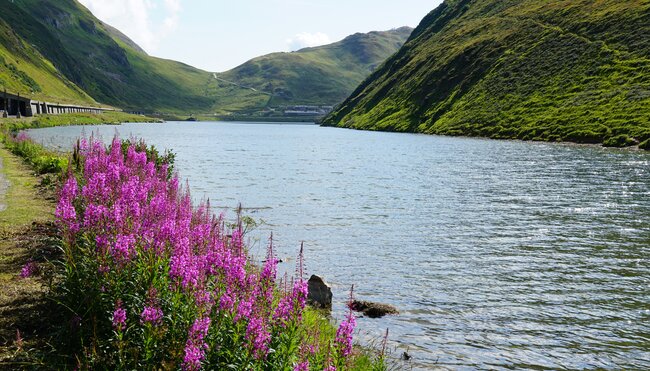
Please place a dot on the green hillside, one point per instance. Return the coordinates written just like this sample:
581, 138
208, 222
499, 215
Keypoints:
97, 60
23, 70
323, 75
59, 50
552, 70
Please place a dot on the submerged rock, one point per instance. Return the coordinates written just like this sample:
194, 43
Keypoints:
373, 310
319, 294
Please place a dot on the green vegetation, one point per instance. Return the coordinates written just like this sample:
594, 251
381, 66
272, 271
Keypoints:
61, 312
41, 160
534, 70
68, 119
22, 207
25, 237
24, 70
37, 35
323, 75
112, 71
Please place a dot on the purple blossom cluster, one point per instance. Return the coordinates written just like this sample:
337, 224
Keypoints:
344, 333
144, 229
119, 317
29, 269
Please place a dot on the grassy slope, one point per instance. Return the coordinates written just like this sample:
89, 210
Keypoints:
111, 68
21, 301
112, 71
542, 70
320, 75
25, 71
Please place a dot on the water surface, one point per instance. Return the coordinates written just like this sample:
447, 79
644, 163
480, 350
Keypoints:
499, 254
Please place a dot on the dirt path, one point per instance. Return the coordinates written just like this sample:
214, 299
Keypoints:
27, 234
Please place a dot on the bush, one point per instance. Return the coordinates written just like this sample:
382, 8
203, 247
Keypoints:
152, 282
42, 160
619, 141
645, 145
584, 136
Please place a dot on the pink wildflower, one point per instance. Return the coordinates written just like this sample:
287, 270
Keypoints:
119, 317
151, 315
345, 330
195, 347
29, 270
258, 337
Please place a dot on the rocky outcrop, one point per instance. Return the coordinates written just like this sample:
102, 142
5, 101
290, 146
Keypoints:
373, 310
320, 293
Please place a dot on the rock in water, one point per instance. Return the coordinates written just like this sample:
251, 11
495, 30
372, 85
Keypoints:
373, 310
319, 294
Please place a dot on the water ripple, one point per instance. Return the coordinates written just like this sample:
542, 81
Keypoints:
500, 254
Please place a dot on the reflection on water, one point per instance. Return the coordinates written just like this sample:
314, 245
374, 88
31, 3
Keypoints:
499, 254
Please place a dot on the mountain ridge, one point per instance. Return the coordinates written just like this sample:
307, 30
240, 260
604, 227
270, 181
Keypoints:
322, 75
527, 69
95, 62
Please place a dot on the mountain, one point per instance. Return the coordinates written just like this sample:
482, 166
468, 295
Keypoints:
100, 60
24, 70
555, 70
323, 75
58, 51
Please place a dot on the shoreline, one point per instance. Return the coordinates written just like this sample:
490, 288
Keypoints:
26, 333
569, 143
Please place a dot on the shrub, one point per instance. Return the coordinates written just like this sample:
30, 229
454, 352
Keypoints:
584, 136
42, 160
153, 282
645, 145
619, 141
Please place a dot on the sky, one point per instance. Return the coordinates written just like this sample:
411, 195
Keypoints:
217, 35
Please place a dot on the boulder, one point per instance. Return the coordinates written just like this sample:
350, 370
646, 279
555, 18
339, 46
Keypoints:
319, 294
373, 310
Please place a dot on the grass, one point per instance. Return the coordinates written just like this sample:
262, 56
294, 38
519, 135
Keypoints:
35, 324
68, 119
96, 63
563, 71
323, 75
22, 207
27, 235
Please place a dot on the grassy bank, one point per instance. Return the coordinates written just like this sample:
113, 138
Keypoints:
28, 237
123, 291
573, 71
45, 121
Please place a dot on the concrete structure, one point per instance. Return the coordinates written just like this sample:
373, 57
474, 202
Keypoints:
15, 105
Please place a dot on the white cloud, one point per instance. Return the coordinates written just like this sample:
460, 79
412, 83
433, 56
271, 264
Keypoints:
306, 39
136, 19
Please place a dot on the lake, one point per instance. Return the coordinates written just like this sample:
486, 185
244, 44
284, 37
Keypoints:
499, 254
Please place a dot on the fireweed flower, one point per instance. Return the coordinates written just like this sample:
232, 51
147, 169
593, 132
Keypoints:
151, 315
195, 347
258, 337
29, 270
302, 366
140, 218
22, 137
344, 334
226, 302
119, 317
65, 211
292, 305
346, 329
